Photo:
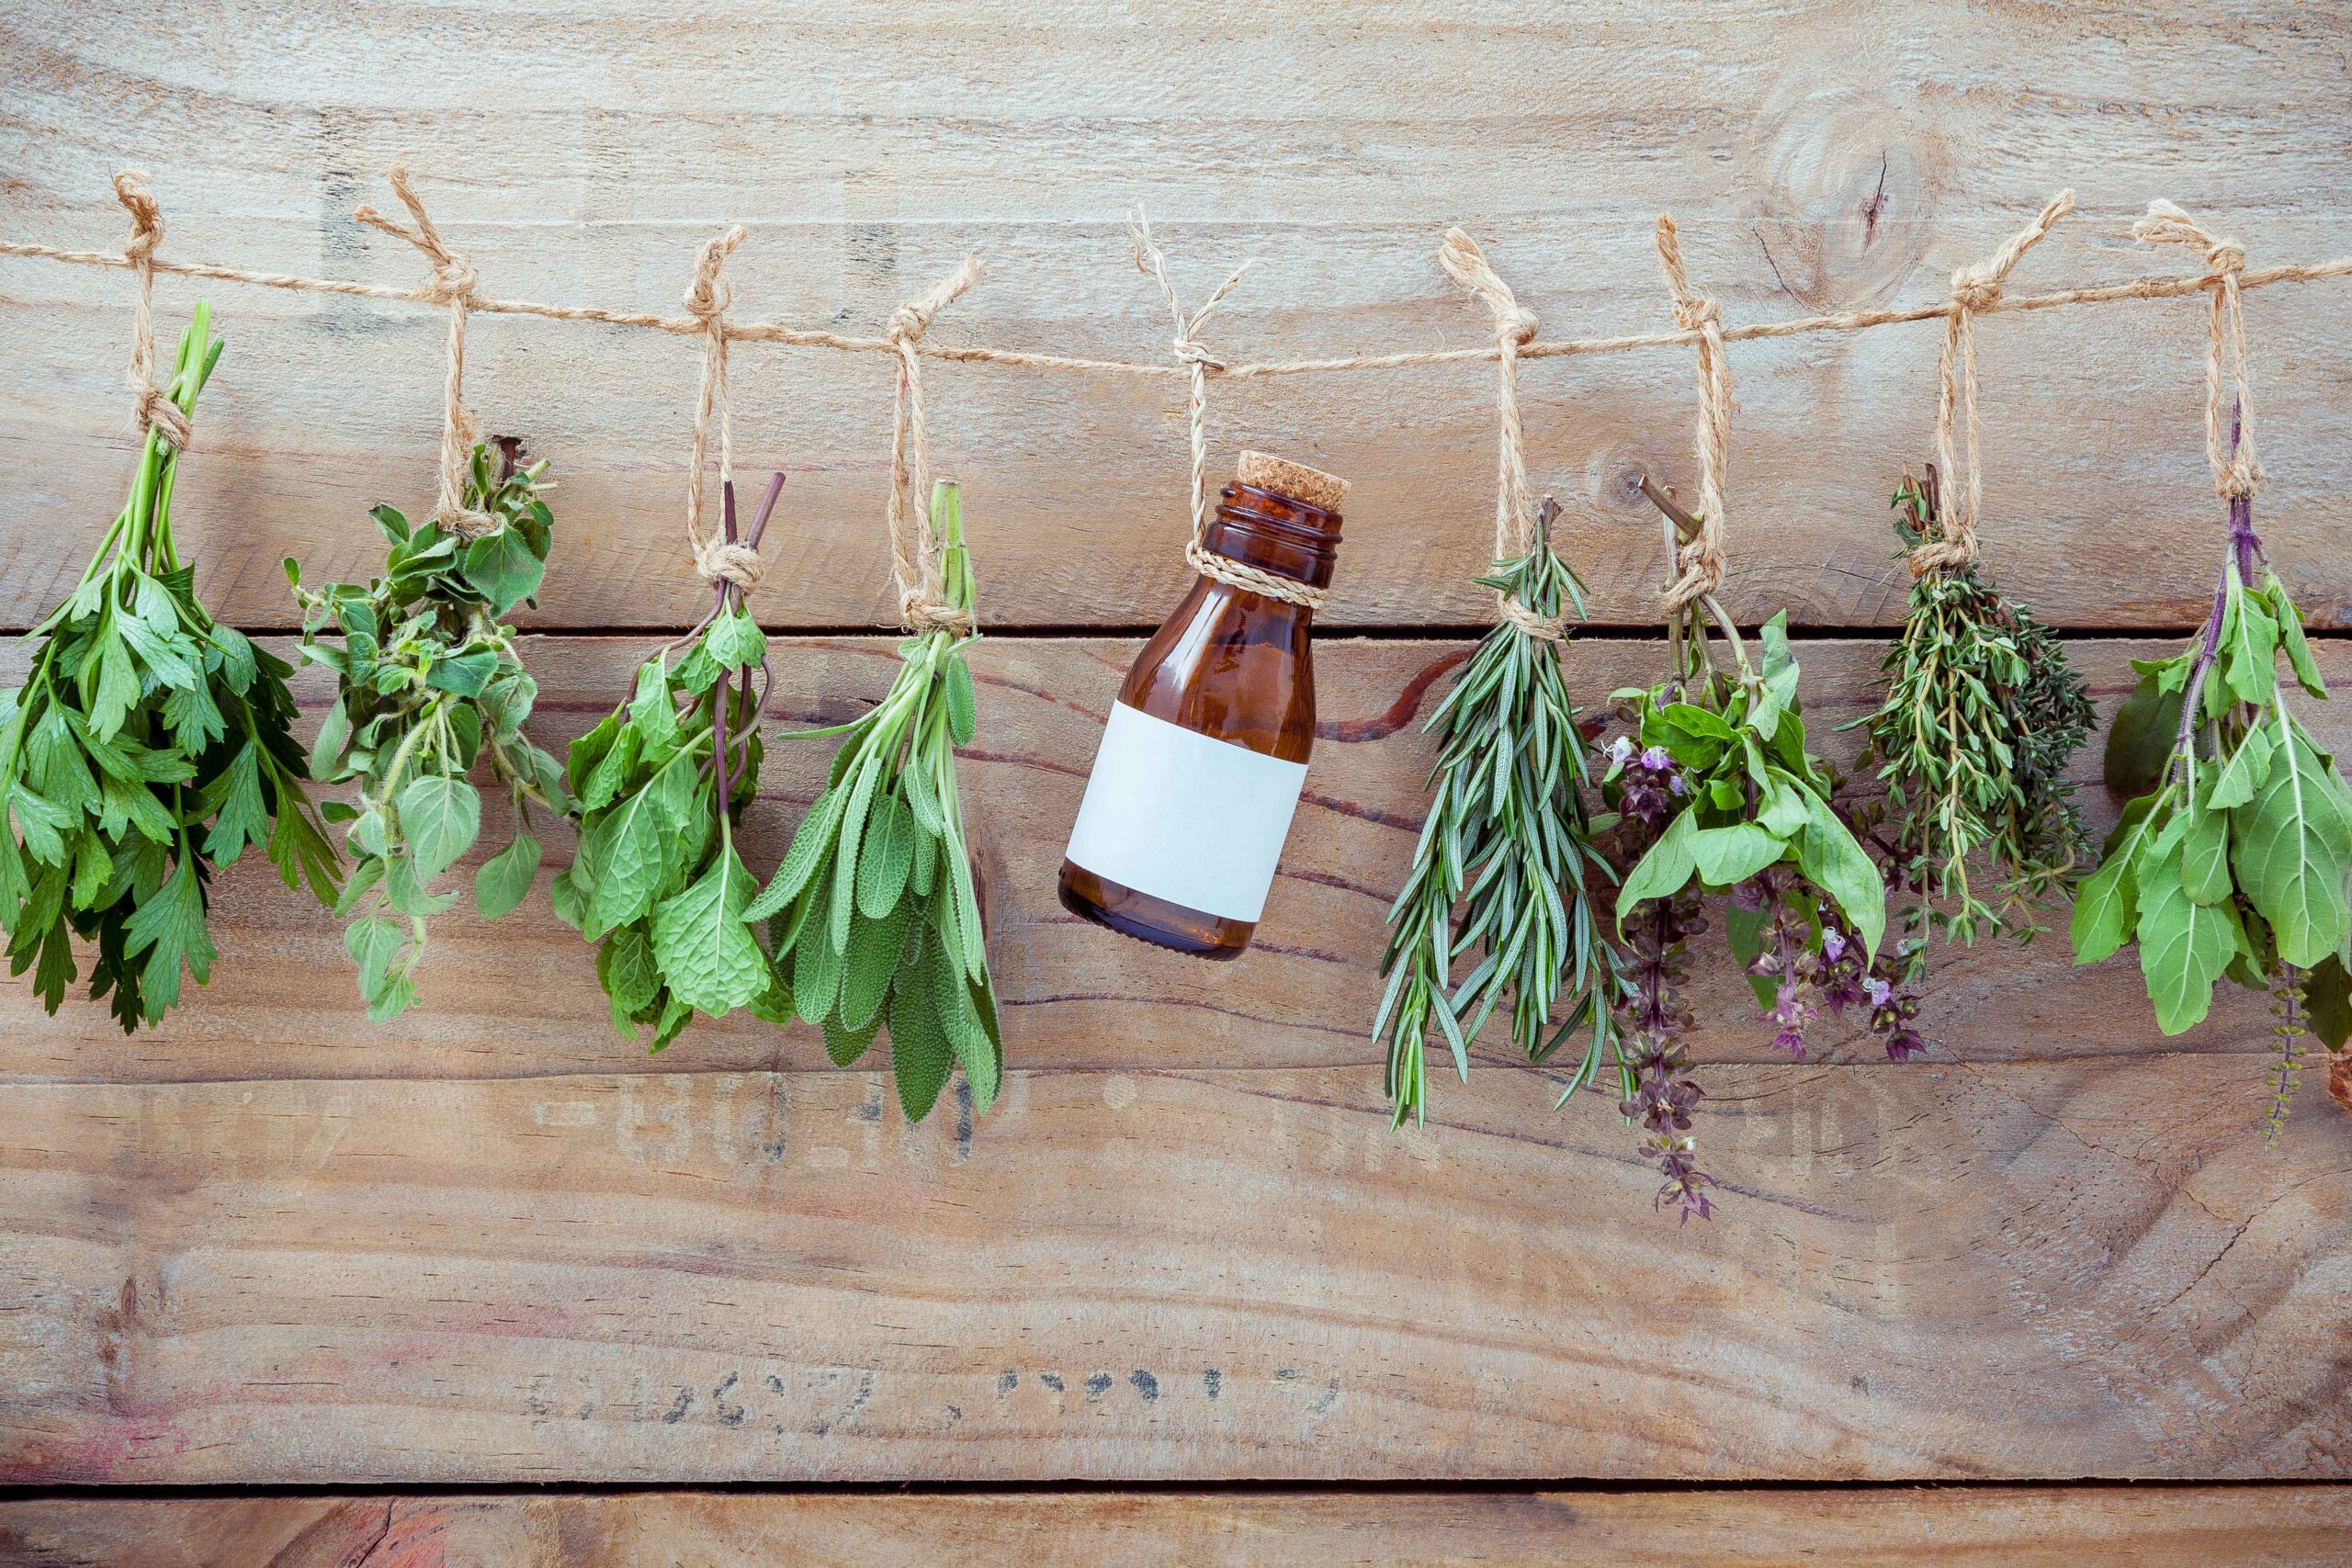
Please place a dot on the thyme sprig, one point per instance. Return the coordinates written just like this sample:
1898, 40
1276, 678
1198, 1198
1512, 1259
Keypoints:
1982, 715
1508, 841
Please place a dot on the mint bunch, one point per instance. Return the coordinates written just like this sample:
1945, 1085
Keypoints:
429, 682
149, 746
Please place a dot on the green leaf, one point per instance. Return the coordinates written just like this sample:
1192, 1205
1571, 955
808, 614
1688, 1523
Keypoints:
1837, 866
2291, 636
500, 563
2246, 770
2184, 946
962, 708
2205, 857
1723, 856
393, 524
440, 817
169, 928
816, 965
869, 964
2327, 1001
2107, 907
653, 711
809, 842
735, 641
1743, 934
708, 957
845, 1045
921, 1057
505, 877
2141, 741
627, 844
1662, 872
632, 978
2294, 846
885, 857
334, 733
242, 817
2249, 645
374, 943
464, 674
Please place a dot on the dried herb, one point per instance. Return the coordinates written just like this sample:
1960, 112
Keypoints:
1715, 793
1983, 712
429, 682
1507, 840
873, 916
657, 787
149, 745
2233, 861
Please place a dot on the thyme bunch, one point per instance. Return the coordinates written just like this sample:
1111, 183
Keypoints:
1981, 717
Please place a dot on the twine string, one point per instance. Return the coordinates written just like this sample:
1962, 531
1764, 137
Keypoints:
1701, 559
1196, 362
1515, 326
717, 558
1975, 288
2237, 472
452, 284
914, 548
153, 409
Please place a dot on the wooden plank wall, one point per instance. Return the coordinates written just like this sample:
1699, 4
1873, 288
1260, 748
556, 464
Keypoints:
496, 1246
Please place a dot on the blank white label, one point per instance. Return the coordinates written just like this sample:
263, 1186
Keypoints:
1180, 816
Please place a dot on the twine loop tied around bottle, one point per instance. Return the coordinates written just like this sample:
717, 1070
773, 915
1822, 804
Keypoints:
1515, 327
2237, 474
914, 548
1975, 288
152, 407
1701, 559
451, 284
716, 559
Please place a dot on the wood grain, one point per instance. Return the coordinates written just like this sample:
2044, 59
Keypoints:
518, 997
2091, 1527
1820, 155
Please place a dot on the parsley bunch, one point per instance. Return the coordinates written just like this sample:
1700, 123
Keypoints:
2235, 859
149, 745
873, 915
1508, 841
1982, 715
657, 787
428, 682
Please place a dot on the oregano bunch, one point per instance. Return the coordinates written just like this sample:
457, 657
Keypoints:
2233, 860
149, 745
657, 787
873, 916
429, 682
1505, 866
1982, 714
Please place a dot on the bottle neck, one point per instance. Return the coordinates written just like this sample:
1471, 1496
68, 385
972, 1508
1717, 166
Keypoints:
1275, 534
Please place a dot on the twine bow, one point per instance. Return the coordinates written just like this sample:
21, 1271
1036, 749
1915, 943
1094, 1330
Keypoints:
1514, 499
914, 548
1975, 288
153, 409
2236, 473
452, 284
717, 558
1701, 559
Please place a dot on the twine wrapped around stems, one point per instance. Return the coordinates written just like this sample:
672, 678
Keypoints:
152, 409
1701, 558
914, 548
717, 558
2236, 473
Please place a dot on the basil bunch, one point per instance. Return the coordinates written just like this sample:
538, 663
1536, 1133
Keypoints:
428, 682
2234, 862
149, 745
873, 915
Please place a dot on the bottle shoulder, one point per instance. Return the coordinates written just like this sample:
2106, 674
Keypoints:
1232, 665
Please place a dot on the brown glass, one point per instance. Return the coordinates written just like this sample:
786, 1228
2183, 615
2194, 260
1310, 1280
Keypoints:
1234, 665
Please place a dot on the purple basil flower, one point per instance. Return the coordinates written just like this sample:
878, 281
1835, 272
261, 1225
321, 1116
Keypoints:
1655, 760
1833, 944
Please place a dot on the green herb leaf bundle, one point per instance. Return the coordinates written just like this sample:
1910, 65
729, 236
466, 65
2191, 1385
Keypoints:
873, 916
1508, 841
149, 745
2234, 862
429, 682
657, 787
1983, 712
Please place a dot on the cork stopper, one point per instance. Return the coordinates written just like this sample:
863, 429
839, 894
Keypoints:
1261, 470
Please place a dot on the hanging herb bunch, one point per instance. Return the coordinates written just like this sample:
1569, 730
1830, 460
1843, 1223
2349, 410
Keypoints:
429, 681
1715, 795
2234, 859
873, 915
1982, 715
657, 788
1505, 866
149, 745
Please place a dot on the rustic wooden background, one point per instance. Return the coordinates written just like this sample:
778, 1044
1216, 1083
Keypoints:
495, 1244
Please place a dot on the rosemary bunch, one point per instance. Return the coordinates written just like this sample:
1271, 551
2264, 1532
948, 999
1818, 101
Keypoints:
873, 916
428, 682
1509, 840
149, 745
1982, 715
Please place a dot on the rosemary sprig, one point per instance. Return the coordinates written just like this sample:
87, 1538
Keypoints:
1508, 840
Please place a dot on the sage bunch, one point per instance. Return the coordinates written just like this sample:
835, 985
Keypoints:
149, 746
429, 682
1504, 866
2232, 860
1981, 717
873, 916
657, 787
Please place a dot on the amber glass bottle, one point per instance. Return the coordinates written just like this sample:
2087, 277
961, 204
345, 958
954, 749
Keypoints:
1201, 764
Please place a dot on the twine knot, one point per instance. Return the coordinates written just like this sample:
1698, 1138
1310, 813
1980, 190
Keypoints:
131, 189
1515, 532
1975, 288
706, 299
921, 611
152, 408
915, 554
719, 561
1187, 352
2237, 474
157, 412
452, 281
1697, 314
1699, 562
